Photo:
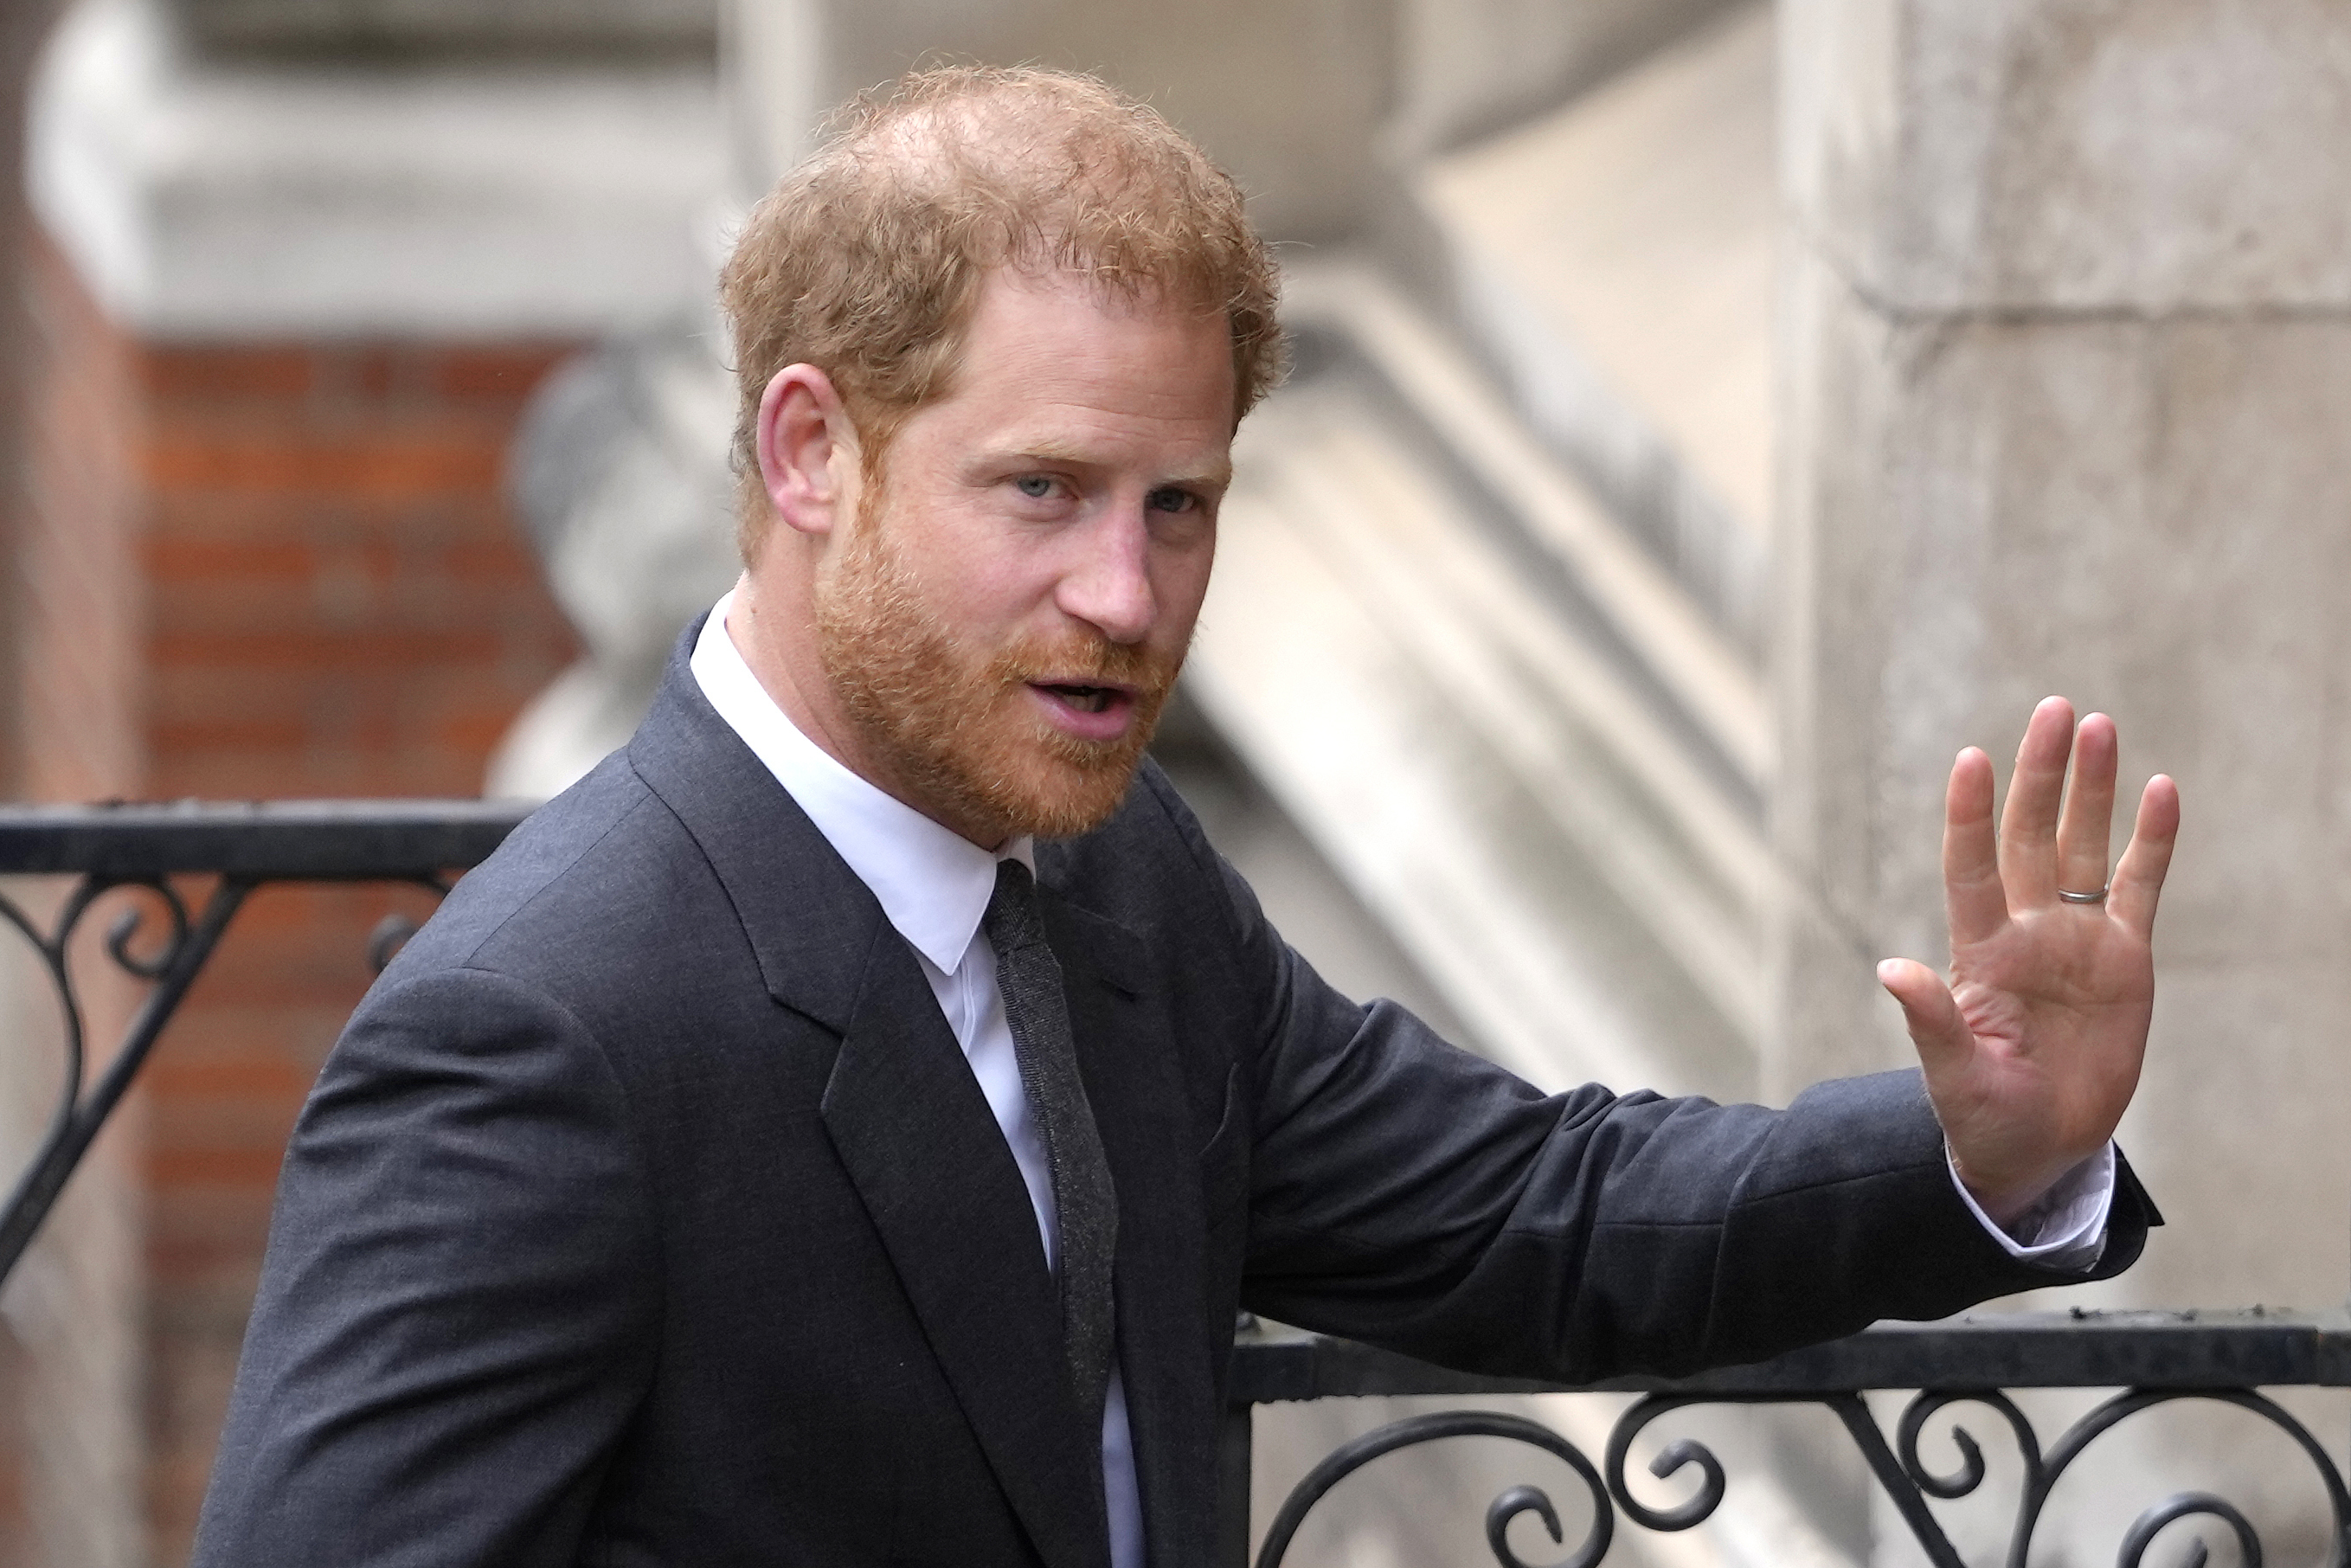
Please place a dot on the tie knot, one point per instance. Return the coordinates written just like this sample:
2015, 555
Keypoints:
1011, 919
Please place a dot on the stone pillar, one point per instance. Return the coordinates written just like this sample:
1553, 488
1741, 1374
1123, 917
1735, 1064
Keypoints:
2065, 333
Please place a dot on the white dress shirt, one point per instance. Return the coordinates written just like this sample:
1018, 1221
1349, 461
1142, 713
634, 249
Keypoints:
934, 885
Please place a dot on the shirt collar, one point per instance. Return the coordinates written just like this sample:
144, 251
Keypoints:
933, 884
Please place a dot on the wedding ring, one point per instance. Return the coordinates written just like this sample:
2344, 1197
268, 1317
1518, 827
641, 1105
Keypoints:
2070, 896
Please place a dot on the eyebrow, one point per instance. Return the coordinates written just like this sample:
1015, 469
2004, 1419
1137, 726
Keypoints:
1217, 476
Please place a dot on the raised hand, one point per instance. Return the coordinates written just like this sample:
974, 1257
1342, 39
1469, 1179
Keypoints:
2033, 1051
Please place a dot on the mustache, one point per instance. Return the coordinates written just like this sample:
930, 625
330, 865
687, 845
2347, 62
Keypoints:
1090, 659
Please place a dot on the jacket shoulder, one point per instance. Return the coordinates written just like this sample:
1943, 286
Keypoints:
591, 890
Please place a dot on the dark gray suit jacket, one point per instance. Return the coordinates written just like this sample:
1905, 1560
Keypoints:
647, 1213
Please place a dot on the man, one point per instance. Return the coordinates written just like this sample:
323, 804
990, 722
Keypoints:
842, 1129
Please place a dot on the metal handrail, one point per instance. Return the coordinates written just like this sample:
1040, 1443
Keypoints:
257, 841
2156, 1349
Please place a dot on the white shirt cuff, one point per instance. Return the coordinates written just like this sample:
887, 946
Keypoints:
2066, 1229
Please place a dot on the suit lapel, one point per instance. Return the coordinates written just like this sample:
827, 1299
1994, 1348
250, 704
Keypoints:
811, 922
1129, 1068
904, 1113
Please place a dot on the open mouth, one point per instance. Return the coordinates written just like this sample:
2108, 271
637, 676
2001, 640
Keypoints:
1085, 699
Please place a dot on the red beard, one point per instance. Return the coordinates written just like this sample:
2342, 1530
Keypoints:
956, 732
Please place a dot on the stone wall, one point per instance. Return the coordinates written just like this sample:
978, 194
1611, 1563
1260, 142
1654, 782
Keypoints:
1468, 68
2066, 355
2067, 340
374, 28
1316, 105
1289, 95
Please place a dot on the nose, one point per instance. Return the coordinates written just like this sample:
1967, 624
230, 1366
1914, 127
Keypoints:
1108, 585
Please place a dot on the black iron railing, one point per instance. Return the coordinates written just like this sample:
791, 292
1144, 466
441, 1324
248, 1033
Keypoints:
2149, 1359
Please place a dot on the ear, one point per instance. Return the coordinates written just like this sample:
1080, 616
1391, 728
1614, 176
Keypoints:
807, 450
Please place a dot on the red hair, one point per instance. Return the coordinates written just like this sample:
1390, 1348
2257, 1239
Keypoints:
866, 259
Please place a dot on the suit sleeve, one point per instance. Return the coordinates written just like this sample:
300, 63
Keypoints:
1409, 1194
457, 1309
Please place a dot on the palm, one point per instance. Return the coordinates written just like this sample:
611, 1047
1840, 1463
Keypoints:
2034, 1049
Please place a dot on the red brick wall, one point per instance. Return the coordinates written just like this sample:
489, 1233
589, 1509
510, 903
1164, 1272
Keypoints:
339, 605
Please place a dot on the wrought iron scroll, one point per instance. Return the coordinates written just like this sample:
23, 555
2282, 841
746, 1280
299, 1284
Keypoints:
243, 847
1416, 1429
81, 1111
1898, 1466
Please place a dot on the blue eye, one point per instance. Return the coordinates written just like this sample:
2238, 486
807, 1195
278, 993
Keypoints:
1168, 498
1035, 486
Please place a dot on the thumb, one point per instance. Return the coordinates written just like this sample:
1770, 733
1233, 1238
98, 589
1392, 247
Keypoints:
1944, 1041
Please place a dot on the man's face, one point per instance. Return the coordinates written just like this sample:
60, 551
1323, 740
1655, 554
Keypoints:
1008, 607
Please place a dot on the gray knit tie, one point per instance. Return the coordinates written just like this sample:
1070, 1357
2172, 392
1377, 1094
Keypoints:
1030, 980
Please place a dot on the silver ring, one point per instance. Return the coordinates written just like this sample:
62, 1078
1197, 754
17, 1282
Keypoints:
2070, 896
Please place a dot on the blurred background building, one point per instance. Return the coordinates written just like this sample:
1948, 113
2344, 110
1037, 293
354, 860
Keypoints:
1708, 417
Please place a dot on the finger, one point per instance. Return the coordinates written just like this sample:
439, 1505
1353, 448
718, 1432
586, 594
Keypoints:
2138, 881
2088, 820
2028, 825
1971, 889
1944, 1041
